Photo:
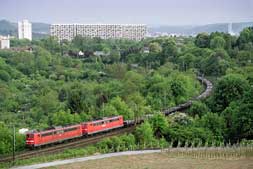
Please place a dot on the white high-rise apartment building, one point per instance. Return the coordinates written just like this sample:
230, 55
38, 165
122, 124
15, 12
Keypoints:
104, 31
25, 30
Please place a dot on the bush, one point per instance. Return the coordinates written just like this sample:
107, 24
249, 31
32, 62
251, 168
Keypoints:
4, 76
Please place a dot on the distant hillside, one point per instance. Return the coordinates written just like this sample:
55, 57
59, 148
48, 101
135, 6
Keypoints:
40, 27
193, 30
39, 30
8, 28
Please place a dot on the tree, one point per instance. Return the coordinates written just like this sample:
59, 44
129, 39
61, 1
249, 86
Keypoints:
144, 133
80, 98
51, 44
6, 139
159, 124
198, 109
42, 58
122, 108
217, 42
239, 118
216, 64
114, 56
65, 118
202, 40
214, 123
187, 61
133, 82
19, 42
4, 75
246, 38
108, 110
229, 88
155, 47
169, 51
177, 88
137, 103
244, 58
48, 103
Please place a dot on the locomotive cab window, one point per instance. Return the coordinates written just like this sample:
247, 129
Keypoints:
29, 136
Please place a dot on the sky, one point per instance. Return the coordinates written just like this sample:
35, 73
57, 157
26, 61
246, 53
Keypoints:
155, 12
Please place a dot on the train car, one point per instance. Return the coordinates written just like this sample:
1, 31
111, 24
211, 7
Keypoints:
105, 124
59, 134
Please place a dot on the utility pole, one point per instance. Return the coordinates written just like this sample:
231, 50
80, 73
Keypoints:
13, 145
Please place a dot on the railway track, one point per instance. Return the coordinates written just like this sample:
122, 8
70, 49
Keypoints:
81, 142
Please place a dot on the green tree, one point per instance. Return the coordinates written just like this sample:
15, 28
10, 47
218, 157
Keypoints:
216, 64
108, 110
229, 88
80, 99
246, 39
6, 140
239, 118
48, 103
122, 108
4, 75
214, 123
198, 108
155, 47
144, 133
217, 42
169, 51
65, 118
202, 40
137, 103
51, 44
159, 124
42, 58
187, 61
133, 82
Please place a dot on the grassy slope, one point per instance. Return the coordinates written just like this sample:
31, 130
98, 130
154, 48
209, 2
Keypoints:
160, 161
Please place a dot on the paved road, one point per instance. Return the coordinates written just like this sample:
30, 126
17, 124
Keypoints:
95, 157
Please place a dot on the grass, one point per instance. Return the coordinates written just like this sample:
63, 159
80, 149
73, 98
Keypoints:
160, 161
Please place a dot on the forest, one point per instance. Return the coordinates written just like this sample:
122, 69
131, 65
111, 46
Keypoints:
56, 84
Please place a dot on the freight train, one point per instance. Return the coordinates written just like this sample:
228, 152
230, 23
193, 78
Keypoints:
60, 134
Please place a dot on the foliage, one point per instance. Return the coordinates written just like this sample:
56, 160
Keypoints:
229, 88
212, 122
217, 42
238, 116
198, 109
144, 133
159, 124
202, 40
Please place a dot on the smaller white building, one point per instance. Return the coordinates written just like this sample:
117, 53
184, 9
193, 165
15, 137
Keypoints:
25, 30
4, 42
23, 131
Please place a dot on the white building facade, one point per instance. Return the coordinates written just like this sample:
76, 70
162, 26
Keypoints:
25, 30
104, 31
4, 42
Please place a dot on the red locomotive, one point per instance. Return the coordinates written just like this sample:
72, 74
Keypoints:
102, 125
59, 134
36, 139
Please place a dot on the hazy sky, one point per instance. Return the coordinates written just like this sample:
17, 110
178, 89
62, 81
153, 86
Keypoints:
170, 12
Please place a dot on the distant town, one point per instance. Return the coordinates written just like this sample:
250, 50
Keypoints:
25, 30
